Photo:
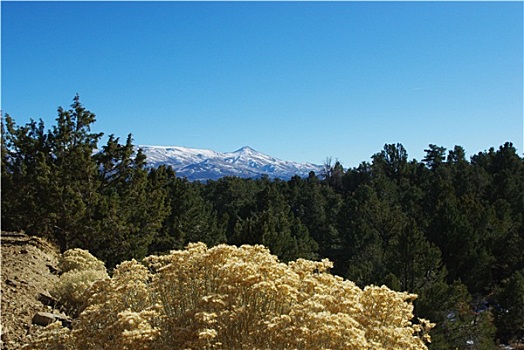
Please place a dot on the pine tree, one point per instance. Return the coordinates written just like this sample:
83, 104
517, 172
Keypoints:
317, 207
133, 205
415, 261
234, 198
51, 180
460, 325
509, 316
370, 228
54, 185
191, 219
23, 165
73, 181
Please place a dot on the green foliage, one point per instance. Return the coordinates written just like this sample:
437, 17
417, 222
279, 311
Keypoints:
421, 226
509, 317
317, 207
56, 184
274, 225
133, 205
462, 324
52, 180
191, 219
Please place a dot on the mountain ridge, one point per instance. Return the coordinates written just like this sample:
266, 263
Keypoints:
198, 164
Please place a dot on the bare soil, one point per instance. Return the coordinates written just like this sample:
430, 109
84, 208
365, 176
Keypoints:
28, 269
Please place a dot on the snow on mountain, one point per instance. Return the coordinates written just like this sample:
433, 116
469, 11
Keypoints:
204, 164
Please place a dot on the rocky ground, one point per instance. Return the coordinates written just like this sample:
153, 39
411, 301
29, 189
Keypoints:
28, 272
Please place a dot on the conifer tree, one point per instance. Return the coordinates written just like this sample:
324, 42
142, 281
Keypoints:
23, 165
191, 219
73, 176
317, 206
134, 203
54, 185
509, 317
459, 324
51, 180
274, 225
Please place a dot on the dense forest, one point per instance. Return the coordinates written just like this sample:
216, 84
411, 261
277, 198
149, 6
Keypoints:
447, 228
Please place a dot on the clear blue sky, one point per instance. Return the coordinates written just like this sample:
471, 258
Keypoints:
300, 81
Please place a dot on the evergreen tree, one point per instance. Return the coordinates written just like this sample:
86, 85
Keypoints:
281, 231
52, 179
73, 181
414, 261
333, 174
191, 219
134, 202
460, 325
24, 168
435, 156
394, 159
317, 207
369, 227
506, 194
509, 316
54, 185
232, 198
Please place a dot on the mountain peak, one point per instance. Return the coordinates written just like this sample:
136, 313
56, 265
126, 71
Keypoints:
203, 164
245, 149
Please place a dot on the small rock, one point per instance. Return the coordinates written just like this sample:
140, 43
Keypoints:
46, 299
10, 282
46, 318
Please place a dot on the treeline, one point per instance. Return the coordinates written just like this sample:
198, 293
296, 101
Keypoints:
447, 228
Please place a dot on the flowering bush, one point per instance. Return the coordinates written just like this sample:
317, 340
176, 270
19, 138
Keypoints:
238, 298
79, 259
80, 270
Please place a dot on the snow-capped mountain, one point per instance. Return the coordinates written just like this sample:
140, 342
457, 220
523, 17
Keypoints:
204, 164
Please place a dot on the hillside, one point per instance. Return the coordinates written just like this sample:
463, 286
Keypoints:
29, 266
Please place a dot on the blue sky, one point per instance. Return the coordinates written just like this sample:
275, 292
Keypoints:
301, 81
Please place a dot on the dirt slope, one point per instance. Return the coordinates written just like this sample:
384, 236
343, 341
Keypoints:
28, 268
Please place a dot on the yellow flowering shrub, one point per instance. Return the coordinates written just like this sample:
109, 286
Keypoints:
55, 337
79, 259
230, 297
80, 270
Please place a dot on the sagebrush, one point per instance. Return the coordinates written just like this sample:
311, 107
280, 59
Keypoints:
230, 297
79, 271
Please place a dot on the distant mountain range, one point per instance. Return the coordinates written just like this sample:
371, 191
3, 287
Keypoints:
204, 164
